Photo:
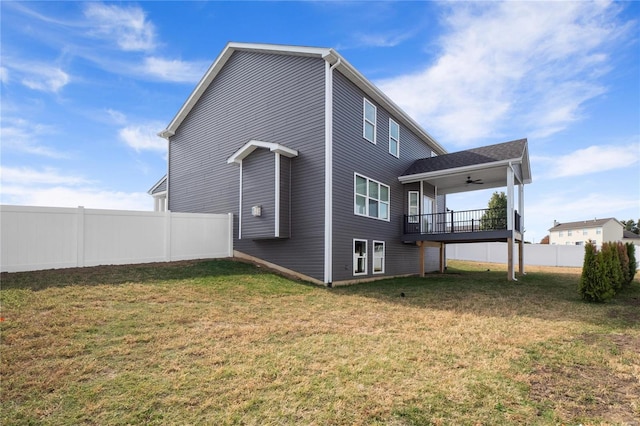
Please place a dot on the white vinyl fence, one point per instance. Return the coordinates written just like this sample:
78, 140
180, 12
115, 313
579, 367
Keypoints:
534, 254
34, 238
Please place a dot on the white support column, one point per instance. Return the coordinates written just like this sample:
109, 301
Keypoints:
510, 195
510, 224
277, 196
521, 212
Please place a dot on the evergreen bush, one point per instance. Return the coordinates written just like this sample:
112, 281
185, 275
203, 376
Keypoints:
624, 262
631, 253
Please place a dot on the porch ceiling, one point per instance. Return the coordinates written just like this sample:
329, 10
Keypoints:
449, 173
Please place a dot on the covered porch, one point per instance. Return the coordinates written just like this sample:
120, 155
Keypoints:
494, 166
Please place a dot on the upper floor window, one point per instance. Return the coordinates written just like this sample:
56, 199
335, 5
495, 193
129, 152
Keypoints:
560, 234
394, 138
585, 232
369, 121
598, 231
569, 233
371, 198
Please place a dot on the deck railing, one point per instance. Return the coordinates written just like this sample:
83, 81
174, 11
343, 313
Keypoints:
459, 221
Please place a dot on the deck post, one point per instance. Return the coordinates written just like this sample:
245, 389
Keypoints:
442, 245
510, 269
521, 257
421, 245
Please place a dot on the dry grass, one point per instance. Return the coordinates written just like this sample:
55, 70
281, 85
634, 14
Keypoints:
220, 342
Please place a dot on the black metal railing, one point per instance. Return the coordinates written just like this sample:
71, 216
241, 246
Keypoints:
459, 221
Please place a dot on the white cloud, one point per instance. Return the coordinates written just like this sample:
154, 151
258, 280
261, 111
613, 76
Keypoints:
173, 69
35, 75
534, 63
144, 137
24, 136
49, 187
128, 26
590, 160
46, 79
116, 116
29, 176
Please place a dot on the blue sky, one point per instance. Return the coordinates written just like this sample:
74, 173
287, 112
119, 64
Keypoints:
86, 87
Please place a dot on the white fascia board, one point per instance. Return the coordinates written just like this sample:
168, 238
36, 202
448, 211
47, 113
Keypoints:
252, 145
162, 194
371, 90
280, 49
458, 170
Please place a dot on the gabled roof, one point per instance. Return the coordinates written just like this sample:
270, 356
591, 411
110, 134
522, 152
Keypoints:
331, 56
252, 145
593, 223
507, 151
449, 172
159, 187
630, 235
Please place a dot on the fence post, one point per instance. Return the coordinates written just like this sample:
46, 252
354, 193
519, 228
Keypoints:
80, 237
167, 236
230, 235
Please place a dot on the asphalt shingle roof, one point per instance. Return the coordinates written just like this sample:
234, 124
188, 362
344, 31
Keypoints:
486, 154
593, 223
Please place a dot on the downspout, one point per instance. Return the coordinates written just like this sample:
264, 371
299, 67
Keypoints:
328, 168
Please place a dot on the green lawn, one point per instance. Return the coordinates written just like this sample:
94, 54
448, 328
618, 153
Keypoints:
220, 342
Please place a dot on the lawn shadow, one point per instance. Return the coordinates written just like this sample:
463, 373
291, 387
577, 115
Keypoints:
542, 295
121, 274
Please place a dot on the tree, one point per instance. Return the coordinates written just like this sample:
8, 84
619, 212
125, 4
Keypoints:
631, 225
496, 215
545, 240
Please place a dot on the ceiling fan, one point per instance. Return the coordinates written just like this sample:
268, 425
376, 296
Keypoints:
476, 181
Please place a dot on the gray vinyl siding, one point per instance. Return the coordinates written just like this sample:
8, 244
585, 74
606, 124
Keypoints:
258, 189
267, 97
354, 154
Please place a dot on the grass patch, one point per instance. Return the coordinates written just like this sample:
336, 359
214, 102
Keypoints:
222, 342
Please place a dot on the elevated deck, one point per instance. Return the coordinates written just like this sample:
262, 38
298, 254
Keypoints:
483, 225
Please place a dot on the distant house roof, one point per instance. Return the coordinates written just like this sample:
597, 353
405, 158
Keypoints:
630, 235
593, 223
329, 55
505, 151
159, 187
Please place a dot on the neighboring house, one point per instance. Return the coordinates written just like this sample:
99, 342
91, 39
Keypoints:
159, 194
579, 233
630, 237
326, 177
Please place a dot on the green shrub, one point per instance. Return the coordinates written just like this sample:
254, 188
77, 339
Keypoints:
624, 262
591, 284
631, 253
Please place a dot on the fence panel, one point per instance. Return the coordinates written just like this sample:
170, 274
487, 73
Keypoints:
534, 254
34, 238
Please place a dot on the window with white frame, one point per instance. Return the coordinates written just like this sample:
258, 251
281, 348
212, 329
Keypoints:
598, 231
394, 138
413, 210
560, 234
569, 233
359, 257
371, 198
378, 257
369, 121
585, 232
